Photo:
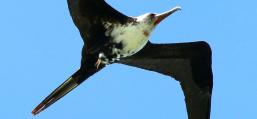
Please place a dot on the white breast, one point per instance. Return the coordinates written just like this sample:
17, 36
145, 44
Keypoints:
132, 37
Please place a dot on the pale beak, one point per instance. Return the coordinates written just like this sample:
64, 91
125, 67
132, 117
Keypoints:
162, 16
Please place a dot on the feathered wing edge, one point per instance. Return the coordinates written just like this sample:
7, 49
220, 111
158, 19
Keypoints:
189, 63
71, 83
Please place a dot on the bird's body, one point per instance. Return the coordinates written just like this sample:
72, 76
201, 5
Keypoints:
128, 38
112, 37
123, 40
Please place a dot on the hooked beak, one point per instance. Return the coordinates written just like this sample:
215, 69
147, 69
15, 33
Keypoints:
162, 16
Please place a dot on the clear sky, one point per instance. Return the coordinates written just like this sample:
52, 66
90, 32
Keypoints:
40, 47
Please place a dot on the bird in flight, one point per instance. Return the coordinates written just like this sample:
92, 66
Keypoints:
112, 37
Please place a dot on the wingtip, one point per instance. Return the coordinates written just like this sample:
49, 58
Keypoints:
38, 109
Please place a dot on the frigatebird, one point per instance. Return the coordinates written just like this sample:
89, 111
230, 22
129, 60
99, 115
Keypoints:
112, 37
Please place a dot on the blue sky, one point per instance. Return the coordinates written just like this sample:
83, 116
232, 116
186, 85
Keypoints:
40, 47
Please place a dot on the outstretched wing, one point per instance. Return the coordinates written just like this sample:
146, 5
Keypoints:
90, 16
189, 63
93, 11
86, 70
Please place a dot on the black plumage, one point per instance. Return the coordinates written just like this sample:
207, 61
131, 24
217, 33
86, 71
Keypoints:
188, 63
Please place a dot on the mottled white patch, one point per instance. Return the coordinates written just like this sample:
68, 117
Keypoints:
132, 36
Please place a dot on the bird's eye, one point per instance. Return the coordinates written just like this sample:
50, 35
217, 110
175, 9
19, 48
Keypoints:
152, 15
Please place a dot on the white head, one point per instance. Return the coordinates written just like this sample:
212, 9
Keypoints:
150, 20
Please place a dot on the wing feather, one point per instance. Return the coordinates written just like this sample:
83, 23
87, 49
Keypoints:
84, 12
188, 63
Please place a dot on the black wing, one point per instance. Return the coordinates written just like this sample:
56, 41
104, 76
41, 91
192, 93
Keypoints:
89, 17
86, 70
96, 10
189, 63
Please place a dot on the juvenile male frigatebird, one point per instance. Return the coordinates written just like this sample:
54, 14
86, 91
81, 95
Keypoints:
112, 37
